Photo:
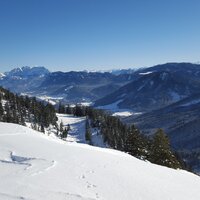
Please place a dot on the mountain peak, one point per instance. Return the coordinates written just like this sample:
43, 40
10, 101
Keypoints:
26, 71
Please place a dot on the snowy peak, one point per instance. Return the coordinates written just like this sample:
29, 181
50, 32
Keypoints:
122, 71
23, 79
2, 75
27, 71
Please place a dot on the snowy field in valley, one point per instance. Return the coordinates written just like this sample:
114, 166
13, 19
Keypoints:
34, 166
77, 130
77, 127
118, 112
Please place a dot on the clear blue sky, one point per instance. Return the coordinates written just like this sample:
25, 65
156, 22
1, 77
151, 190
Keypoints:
98, 34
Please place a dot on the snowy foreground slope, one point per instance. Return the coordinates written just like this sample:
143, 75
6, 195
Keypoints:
37, 167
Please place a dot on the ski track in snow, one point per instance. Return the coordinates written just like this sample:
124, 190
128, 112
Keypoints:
33, 166
5, 196
70, 196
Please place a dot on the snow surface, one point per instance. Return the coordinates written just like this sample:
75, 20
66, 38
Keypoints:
116, 111
145, 73
126, 113
123, 114
196, 101
2, 75
89, 103
77, 130
50, 99
34, 166
77, 127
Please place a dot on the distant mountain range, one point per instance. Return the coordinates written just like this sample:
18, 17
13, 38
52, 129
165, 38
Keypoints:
141, 90
71, 86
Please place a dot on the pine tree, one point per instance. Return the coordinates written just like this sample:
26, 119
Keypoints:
61, 108
61, 127
42, 128
1, 111
8, 117
160, 151
87, 131
136, 144
78, 111
64, 133
68, 127
69, 110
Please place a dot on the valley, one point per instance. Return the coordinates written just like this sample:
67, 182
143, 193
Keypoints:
163, 96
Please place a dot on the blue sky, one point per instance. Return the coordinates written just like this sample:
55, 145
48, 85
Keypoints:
98, 34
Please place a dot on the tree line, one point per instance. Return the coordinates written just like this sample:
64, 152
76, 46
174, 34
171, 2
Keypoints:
120, 136
22, 109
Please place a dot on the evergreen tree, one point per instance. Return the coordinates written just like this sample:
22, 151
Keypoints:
61, 108
19, 109
61, 127
1, 111
136, 144
87, 131
42, 128
8, 117
69, 110
68, 127
64, 133
160, 151
79, 111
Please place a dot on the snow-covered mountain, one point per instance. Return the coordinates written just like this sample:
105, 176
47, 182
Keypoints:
122, 71
145, 88
156, 87
23, 79
36, 166
71, 86
24, 72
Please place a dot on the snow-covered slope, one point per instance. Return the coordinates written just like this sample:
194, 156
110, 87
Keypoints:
77, 130
77, 127
37, 167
